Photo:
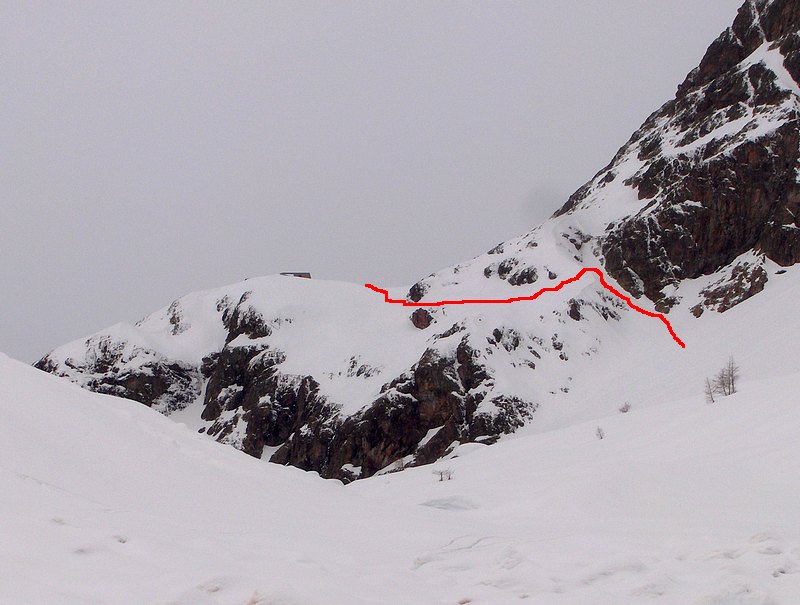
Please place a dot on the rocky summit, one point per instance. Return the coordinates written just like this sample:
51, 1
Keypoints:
697, 213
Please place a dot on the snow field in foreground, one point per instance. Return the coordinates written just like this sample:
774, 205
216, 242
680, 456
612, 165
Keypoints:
106, 501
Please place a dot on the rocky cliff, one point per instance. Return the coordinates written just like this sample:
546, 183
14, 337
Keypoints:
716, 167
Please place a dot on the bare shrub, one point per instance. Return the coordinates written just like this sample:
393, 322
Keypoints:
625, 407
731, 374
724, 382
709, 391
445, 474
601, 434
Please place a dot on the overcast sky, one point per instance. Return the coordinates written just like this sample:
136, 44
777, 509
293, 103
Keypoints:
149, 149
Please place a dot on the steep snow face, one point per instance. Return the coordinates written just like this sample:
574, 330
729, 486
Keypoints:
105, 501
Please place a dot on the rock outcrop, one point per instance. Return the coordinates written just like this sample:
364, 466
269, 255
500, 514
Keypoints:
716, 167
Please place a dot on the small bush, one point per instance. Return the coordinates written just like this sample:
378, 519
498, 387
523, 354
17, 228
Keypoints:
444, 474
724, 382
709, 391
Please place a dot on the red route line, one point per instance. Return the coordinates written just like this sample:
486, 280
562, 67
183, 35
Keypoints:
482, 301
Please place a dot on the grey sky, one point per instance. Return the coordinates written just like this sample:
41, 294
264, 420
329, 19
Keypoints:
151, 149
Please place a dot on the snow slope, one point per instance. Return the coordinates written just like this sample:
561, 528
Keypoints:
107, 501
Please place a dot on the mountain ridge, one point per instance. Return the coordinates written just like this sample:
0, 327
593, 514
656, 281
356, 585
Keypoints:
532, 297
695, 215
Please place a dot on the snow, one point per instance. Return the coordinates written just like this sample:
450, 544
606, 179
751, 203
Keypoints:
319, 328
769, 55
106, 501
429, 435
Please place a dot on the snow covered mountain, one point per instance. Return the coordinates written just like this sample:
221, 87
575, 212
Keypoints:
698, 212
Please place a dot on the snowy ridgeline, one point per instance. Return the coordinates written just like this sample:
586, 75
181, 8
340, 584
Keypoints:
107, 501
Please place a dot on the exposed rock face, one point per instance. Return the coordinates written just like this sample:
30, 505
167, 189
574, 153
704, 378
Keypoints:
757, 21
745, 279
433, 397
421, 318
267, 408
717, 165
710, 213
440, 393
156, 381
242, 319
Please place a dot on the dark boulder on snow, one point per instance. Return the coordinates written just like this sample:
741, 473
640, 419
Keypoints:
421, 318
